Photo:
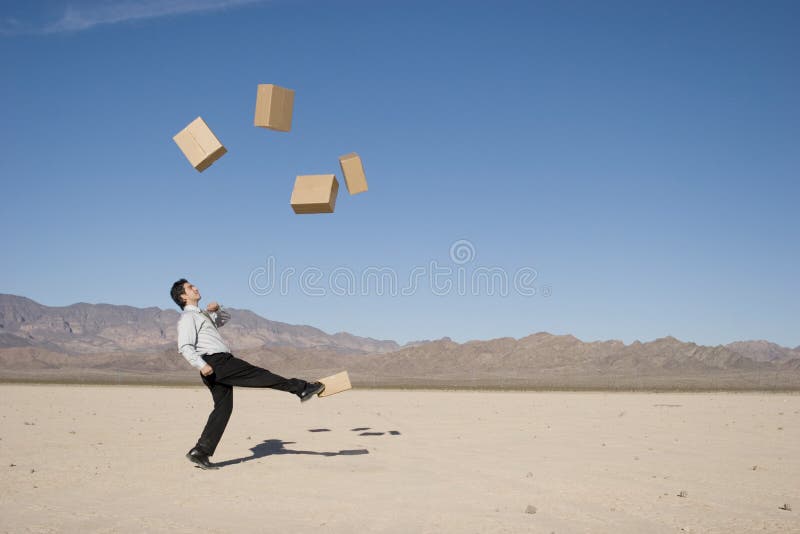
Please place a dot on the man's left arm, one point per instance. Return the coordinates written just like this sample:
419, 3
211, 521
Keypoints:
217, 314
221, 317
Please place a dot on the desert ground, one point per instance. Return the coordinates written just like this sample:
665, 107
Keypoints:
111, 459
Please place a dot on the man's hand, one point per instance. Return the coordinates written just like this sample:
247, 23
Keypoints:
212, 307
207, 370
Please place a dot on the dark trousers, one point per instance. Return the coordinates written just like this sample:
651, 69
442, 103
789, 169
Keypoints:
230, 371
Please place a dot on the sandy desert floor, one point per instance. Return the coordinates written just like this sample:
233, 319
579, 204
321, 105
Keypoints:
110, 459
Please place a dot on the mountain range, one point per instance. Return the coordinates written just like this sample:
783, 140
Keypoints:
104, 342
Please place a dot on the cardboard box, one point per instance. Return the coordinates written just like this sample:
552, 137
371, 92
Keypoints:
353, 172
335, 384
315, 193
199, 144
274, 106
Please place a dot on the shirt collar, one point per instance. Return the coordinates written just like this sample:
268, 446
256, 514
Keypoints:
191, 307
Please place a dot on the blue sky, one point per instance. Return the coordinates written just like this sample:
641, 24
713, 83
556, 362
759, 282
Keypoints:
641, 157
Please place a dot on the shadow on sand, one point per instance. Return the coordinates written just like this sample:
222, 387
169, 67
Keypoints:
275, 446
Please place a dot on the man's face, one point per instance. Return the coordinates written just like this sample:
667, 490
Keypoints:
190, 292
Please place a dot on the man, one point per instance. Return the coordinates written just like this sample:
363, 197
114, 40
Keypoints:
200, 343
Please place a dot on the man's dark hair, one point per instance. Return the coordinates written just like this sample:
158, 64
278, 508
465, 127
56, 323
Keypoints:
178, 290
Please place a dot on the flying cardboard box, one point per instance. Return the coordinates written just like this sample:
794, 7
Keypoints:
335, 384
353, 172
315, 193
274, 106
199, 144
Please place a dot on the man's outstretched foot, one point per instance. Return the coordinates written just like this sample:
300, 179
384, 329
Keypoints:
311, 389
200, 459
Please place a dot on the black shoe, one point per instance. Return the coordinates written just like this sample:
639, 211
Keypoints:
200, 459
311, 389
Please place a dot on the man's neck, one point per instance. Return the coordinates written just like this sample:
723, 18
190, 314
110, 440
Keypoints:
192, 304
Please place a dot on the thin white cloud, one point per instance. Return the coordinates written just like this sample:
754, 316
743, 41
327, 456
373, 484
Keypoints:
83, 17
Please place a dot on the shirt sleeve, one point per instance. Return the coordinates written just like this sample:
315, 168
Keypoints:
220, 317
187, 342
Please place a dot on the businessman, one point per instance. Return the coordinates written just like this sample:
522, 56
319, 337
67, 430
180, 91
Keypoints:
200, 343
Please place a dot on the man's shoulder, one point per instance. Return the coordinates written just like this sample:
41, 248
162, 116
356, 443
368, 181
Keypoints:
188, 316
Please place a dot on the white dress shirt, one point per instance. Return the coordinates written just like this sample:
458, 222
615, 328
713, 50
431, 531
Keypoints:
198, 334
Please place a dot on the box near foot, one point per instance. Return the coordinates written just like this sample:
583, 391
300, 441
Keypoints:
335, 384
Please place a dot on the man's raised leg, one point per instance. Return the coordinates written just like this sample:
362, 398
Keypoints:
235, 372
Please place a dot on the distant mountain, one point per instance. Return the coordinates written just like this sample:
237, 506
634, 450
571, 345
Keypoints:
104, 328
563, 354
106, 342
764, 351
422, 342
547, 360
